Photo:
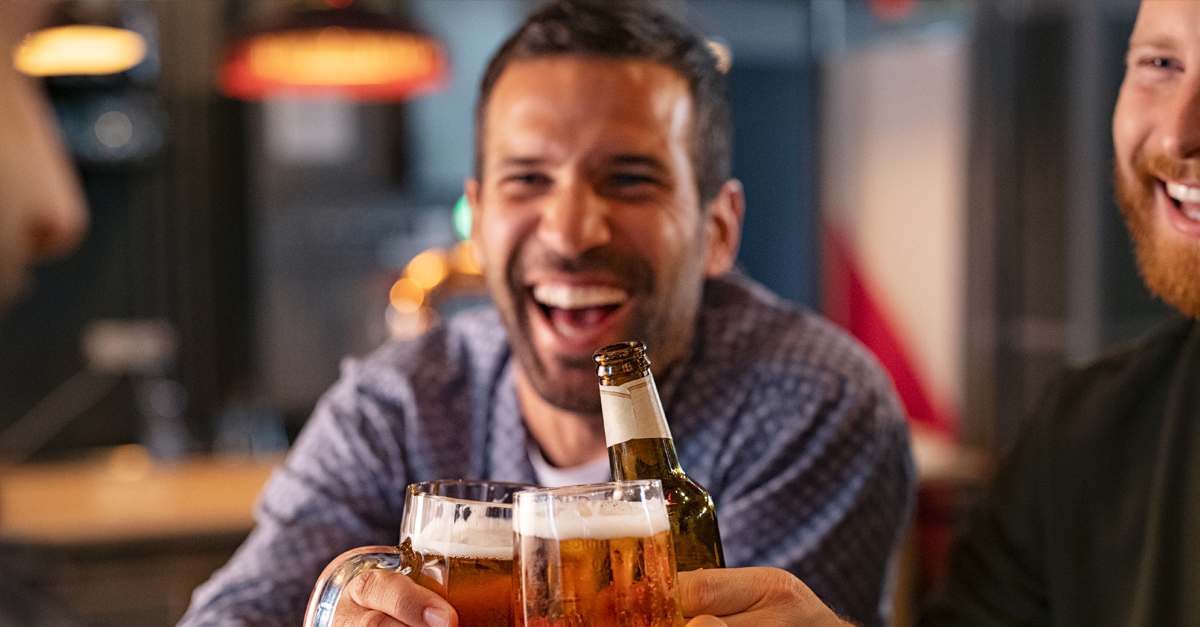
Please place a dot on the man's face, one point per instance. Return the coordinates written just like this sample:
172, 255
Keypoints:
1156, 134
587, 218
41, 208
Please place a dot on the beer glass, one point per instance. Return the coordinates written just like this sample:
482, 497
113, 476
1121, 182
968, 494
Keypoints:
455, 539
594, 555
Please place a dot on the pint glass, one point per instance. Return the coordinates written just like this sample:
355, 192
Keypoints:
456, 538
594, 555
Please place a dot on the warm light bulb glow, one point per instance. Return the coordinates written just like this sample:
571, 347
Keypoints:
79, 49
428, 269
406, 325
407, 296
130, 462
464, 259
337, 56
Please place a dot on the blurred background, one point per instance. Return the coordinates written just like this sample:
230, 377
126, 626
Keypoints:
933, 175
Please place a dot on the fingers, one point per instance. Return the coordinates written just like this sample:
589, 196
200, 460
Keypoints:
722, 592
706, 620
384, 598
751, 597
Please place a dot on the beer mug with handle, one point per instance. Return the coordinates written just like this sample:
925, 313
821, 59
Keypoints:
593, 555
456, 538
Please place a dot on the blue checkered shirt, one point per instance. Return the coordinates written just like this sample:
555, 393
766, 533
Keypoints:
789, 423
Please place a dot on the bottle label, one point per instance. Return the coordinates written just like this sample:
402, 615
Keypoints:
633, 411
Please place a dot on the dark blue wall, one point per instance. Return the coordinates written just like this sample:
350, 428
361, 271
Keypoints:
773, 156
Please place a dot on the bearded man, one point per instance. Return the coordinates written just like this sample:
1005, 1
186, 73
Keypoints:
603, 212
1093, 520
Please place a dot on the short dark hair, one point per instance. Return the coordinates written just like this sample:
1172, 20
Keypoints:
633, 29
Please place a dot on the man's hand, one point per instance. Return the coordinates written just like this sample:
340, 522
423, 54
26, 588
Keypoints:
751, 597
382, 598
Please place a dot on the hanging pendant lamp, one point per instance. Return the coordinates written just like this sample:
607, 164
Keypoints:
78, 50
335, 51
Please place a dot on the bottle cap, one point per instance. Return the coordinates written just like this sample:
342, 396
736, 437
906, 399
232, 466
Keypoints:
620, 359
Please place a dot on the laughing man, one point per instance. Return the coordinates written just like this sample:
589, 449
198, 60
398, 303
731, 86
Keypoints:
603, 211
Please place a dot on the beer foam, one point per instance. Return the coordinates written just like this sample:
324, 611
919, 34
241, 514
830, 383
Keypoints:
465, 551
594, 520
476, 536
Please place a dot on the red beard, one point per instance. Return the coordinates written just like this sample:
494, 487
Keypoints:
1170, 265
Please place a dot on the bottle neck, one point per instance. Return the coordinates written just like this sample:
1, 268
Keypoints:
633, 411
635, 426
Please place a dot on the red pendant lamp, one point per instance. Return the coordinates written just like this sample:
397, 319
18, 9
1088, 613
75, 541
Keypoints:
340, 50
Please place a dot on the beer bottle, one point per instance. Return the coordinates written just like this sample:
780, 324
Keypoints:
640, 447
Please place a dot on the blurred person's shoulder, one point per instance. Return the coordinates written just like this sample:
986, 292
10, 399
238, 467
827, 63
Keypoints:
1105, 449
1096, 427
1129, 386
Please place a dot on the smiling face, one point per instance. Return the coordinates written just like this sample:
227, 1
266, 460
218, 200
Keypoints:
41, 208
588, 220
1156, 135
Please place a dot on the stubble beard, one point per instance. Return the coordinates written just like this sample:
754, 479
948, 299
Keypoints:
570, 383
1169, 266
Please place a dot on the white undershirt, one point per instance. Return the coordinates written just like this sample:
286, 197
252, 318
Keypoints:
595, 471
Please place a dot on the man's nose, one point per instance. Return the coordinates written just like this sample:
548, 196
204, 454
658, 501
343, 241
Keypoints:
574, 220
1181, 132
56, 222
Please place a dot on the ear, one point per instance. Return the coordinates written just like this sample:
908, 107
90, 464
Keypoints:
724, 228
471, 190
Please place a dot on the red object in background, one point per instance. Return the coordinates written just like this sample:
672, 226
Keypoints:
342, 51
892, 10
848, 301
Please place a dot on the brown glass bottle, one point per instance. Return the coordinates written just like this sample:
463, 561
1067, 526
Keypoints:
640, 447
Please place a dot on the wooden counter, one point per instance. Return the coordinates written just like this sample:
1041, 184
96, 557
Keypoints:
123, 496
117, 540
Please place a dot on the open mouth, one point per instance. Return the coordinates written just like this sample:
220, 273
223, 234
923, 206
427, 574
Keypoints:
573, 310
1187, 199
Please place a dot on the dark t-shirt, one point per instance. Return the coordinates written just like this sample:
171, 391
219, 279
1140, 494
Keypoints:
1095, 518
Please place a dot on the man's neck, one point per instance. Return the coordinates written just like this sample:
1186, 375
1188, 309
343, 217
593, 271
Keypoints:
565, 438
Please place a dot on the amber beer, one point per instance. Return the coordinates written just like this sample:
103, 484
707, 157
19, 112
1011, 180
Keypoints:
457, 540
591, 556
476, 580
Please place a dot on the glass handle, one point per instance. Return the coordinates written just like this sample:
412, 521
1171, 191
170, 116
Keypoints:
340, 571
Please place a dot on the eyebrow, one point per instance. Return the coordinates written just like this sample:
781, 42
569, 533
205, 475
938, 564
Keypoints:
638, 160
1152, 41
618, 159
520, 162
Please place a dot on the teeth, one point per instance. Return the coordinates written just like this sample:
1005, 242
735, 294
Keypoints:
1183, 193
573, 297
1188, 195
